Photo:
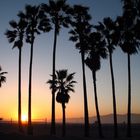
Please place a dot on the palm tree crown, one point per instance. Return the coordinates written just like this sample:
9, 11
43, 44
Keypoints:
96, 51
110, 33
64, 83
16, 35
128, 25
32, 15
58, 12
80, 27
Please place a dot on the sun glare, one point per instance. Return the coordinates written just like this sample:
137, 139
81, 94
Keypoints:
24, 118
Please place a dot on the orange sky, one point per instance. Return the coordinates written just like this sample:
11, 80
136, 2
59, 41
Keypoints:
67, 58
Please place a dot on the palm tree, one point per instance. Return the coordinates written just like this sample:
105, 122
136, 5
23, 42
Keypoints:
32, 15
129, 45
79, 32
2, 77
64, 84
16, 36
136, 6
97, 51
57, 11
108, 30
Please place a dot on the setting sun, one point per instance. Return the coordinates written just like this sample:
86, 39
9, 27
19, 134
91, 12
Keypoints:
24, 118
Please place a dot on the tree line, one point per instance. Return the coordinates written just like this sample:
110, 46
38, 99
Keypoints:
94, 42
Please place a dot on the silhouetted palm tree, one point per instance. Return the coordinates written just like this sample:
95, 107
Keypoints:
64, 84
59, 17
108, 30
97, 51
79, 32
2, 77
16, 36
32, 15
136, 6
44, 24
129, 44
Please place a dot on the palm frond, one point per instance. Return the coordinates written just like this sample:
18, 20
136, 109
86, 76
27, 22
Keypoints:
72, 32
13, 24
28, 9
22, 24
70, 89
72, 82
60, 3
45, 25
2, 77
18, 44
52, 4
21, 15
73, 38
2, 73
70, 77
99, 27
61, 74
11, 35
108, 23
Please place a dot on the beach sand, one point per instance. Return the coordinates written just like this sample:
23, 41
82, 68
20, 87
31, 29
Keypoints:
9, 131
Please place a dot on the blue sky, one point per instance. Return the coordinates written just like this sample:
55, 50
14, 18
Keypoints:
67, 58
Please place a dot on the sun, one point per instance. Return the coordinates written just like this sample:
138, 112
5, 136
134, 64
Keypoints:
24, 118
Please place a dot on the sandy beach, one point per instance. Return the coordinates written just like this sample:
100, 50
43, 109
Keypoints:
73, 132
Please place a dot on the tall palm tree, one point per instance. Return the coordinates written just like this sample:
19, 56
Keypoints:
97, 51
79, 32
108, 30
136, 6
32, 15
2, 77
57, 11
16, 36
64, 84
129, 44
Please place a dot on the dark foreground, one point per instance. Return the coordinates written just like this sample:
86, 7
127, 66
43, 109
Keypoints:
74, 132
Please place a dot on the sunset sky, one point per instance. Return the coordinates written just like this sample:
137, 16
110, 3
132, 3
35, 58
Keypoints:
67, 58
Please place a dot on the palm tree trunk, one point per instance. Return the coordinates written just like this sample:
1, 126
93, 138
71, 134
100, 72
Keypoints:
64, 120
30, 128
85, 97
114, 98
96, 105
129, 99
53, 129
19, 91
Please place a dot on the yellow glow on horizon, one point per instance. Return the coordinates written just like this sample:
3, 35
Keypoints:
41, 106
24, 118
